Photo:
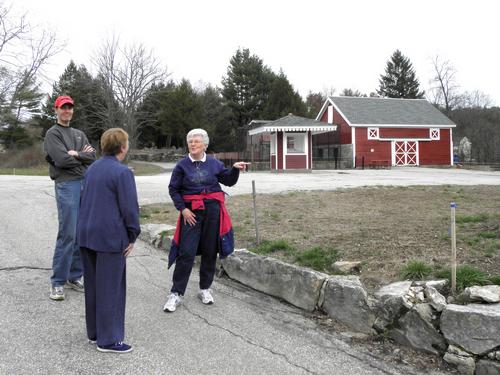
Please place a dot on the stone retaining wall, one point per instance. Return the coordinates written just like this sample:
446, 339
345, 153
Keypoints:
415, 314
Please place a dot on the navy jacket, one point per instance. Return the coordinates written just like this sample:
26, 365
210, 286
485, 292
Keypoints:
109, 211
199, 177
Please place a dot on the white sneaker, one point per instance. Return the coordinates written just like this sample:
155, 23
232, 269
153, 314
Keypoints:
206, 296
56, 293
173, 301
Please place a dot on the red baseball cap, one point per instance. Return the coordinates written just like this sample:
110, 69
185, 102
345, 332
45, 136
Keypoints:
62, 100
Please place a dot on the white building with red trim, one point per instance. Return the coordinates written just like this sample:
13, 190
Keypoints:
386, 132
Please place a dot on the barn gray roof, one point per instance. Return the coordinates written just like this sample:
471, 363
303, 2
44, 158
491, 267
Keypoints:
389, 111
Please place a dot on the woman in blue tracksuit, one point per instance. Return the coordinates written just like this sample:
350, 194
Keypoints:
204, 226
108, 225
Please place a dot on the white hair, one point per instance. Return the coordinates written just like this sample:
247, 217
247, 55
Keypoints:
198, 133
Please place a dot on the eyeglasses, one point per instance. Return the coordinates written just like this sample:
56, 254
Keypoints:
66, 106
195, 141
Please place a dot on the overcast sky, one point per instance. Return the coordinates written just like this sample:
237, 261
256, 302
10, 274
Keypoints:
319, 44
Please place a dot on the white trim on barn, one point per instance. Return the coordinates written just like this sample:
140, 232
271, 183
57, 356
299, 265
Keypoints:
327, 103
373, 133
435, 134
405, 154
414, 126
283, 153
353, 139
306, 149
452, 155
404, 139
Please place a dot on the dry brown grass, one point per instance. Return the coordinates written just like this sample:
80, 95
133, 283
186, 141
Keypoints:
384, 227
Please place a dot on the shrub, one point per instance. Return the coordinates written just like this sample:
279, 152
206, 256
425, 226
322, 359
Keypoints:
466, 276
495, 279
317, 258
415, 270
23, 158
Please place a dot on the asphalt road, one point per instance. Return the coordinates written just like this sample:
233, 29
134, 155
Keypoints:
244, 332
155, 188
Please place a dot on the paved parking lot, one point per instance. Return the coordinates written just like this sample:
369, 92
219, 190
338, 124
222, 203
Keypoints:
153, 189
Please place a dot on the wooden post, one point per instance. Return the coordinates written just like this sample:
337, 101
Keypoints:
255, 213
453, 250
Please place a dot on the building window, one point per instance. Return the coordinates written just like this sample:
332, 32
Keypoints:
295, 143
434, 133
330, 114
373, 133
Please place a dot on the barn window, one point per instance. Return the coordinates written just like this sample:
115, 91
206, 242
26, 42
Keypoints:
434, 133
373, 133
330, 114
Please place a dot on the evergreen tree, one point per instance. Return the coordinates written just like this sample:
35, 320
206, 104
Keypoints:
23, 103
283, 99
88, 94
180, 111
216, 120
314, 102
399, 80
154, 133
245, 89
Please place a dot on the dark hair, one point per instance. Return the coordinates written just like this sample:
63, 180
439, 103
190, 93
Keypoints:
112, 141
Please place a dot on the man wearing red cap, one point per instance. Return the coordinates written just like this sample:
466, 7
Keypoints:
68, 153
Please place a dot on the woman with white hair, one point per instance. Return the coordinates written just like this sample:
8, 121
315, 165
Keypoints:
204, 227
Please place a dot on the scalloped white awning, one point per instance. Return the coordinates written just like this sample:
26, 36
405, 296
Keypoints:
303, 128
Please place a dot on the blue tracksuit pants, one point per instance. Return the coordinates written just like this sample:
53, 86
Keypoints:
105, 292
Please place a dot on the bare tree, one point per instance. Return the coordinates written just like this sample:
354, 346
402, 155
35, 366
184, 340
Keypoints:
10, 32
128, 72
475, 99
24, 51
351, 92
444, 85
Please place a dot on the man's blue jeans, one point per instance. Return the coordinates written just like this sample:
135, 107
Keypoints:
66, 264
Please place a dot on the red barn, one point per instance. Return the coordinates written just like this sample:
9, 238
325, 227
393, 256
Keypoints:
387, 131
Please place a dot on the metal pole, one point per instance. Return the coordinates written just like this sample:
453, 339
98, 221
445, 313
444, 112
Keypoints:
453, 250
255, 213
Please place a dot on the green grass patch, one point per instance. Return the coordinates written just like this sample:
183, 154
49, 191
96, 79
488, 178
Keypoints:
144, 216
267, 247
317, 258
42, 170
471, 241
466, 276
415, 270
488, 234
495, 279
471, 219
145, 169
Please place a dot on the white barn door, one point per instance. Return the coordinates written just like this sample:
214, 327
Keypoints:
405, 152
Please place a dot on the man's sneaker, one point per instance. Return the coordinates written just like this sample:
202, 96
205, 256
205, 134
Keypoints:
118, 347
206, 296
76, 285
56, 293
173, 301
92, 341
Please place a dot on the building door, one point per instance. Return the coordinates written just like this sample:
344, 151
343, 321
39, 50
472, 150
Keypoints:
405, 153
